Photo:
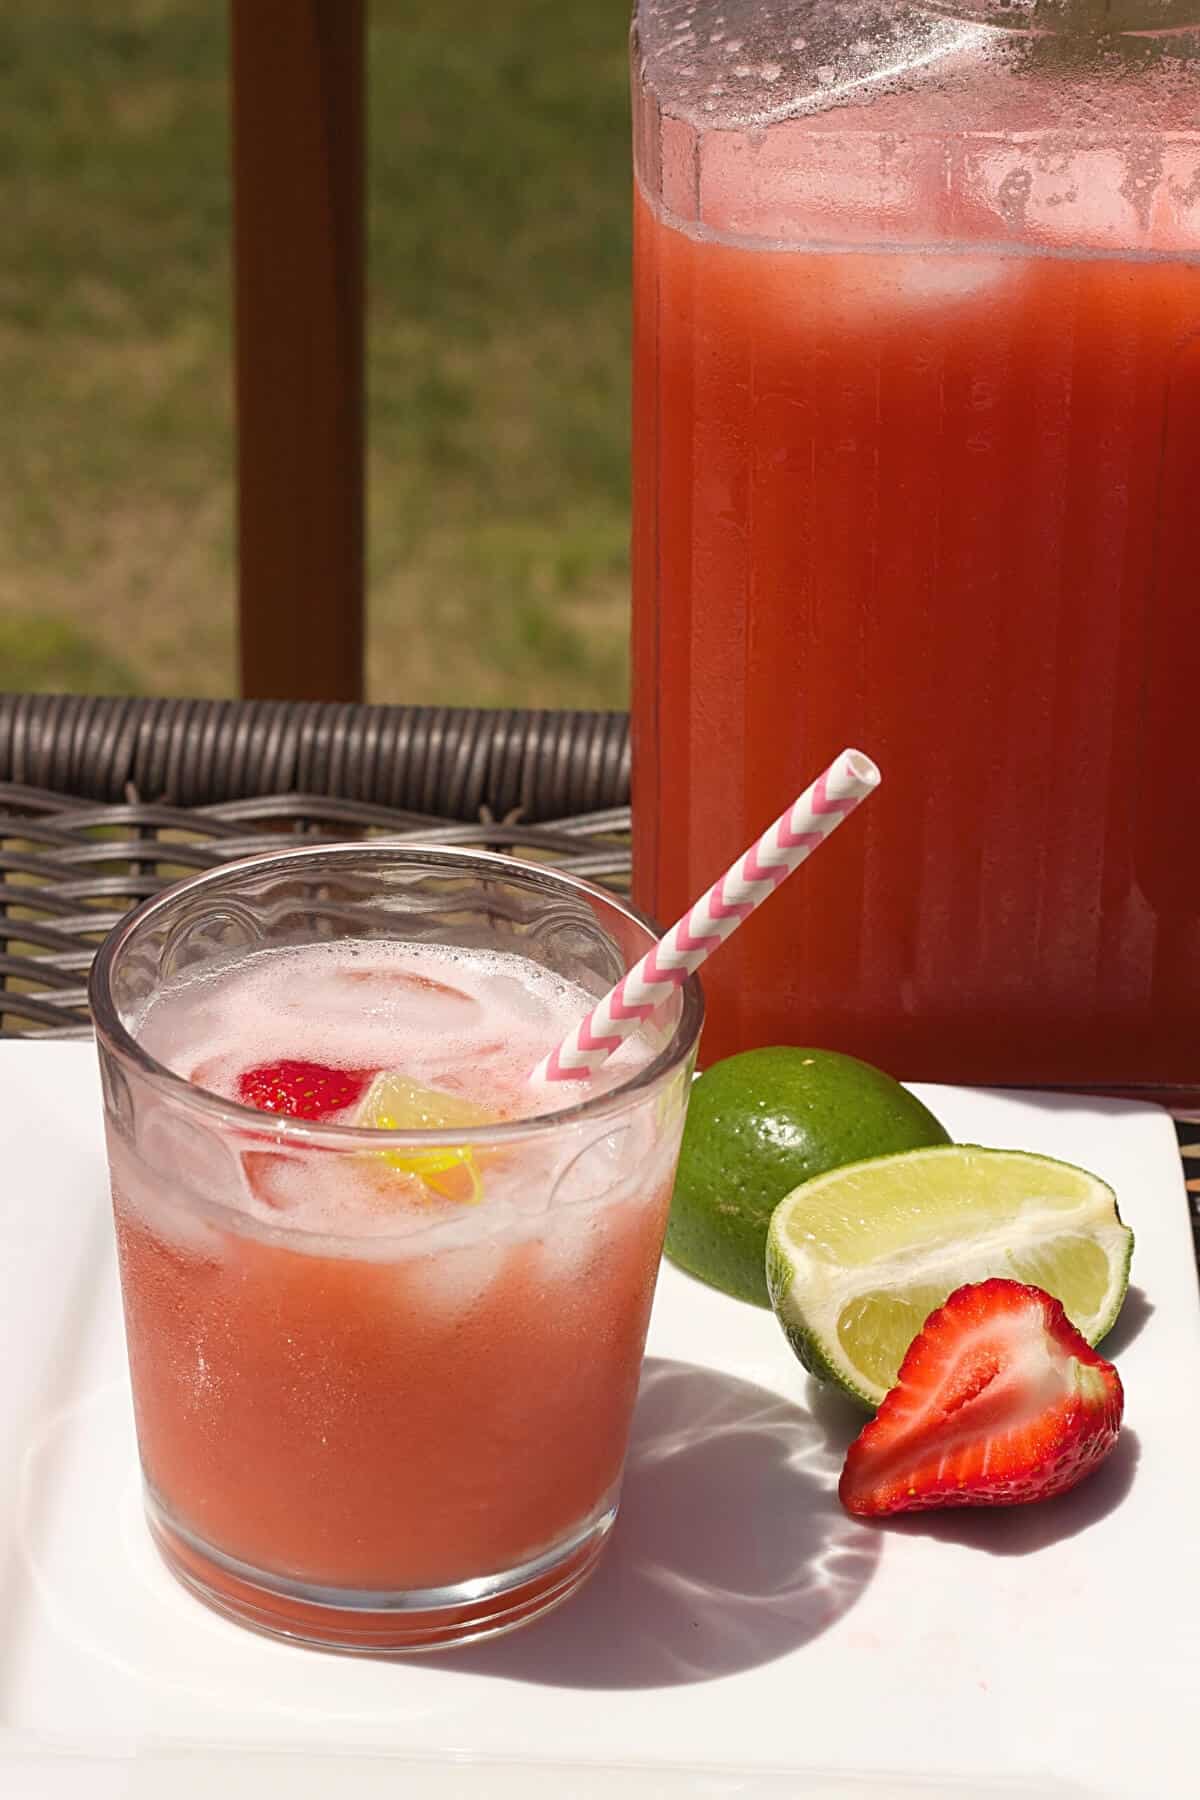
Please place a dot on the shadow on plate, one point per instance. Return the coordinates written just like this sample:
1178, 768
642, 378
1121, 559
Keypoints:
1136, 1309
1019, 1530
730, 1549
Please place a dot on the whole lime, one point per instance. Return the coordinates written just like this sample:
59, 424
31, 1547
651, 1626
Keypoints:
758, 1124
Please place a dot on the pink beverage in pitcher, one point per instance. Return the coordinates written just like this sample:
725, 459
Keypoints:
917, 432
383, 1393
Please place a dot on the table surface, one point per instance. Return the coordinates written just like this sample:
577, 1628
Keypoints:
740, 1629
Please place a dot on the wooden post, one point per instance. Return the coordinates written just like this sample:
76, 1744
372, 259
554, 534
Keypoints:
298, 231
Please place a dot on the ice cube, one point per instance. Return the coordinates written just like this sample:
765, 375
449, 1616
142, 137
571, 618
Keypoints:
418, 1002
453, 1279
216, 1074
272, 1178
572, 1239
597, 1168
148, 1196
348, 1194
518, 1001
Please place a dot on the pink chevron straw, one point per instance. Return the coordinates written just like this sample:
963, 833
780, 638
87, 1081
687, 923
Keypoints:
784, 845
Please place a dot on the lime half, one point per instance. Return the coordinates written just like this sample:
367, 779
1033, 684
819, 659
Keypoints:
858, 1258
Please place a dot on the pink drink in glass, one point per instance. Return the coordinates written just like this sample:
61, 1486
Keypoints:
370, 1382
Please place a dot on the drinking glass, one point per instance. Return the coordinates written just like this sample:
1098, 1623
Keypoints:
374, 1442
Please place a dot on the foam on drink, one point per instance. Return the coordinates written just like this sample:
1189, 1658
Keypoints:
470, 1024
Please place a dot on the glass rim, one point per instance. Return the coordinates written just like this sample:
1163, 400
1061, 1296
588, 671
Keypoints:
120, 1042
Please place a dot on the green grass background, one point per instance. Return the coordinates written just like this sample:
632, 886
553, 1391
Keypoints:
497, 367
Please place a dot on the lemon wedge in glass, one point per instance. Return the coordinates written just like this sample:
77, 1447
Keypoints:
395, 1102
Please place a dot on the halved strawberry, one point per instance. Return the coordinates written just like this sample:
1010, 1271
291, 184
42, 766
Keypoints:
999, 1400
302, 1090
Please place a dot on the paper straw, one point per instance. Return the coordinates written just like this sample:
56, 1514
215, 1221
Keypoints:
784, 845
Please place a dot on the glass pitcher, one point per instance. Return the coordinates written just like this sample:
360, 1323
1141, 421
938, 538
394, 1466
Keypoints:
917, 467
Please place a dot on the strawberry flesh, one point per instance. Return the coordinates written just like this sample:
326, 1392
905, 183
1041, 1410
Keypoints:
999, 1401
302, 1090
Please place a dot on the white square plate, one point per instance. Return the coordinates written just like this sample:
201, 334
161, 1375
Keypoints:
742, 1637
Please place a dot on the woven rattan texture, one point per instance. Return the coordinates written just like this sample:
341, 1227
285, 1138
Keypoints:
449, 762
69, 868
